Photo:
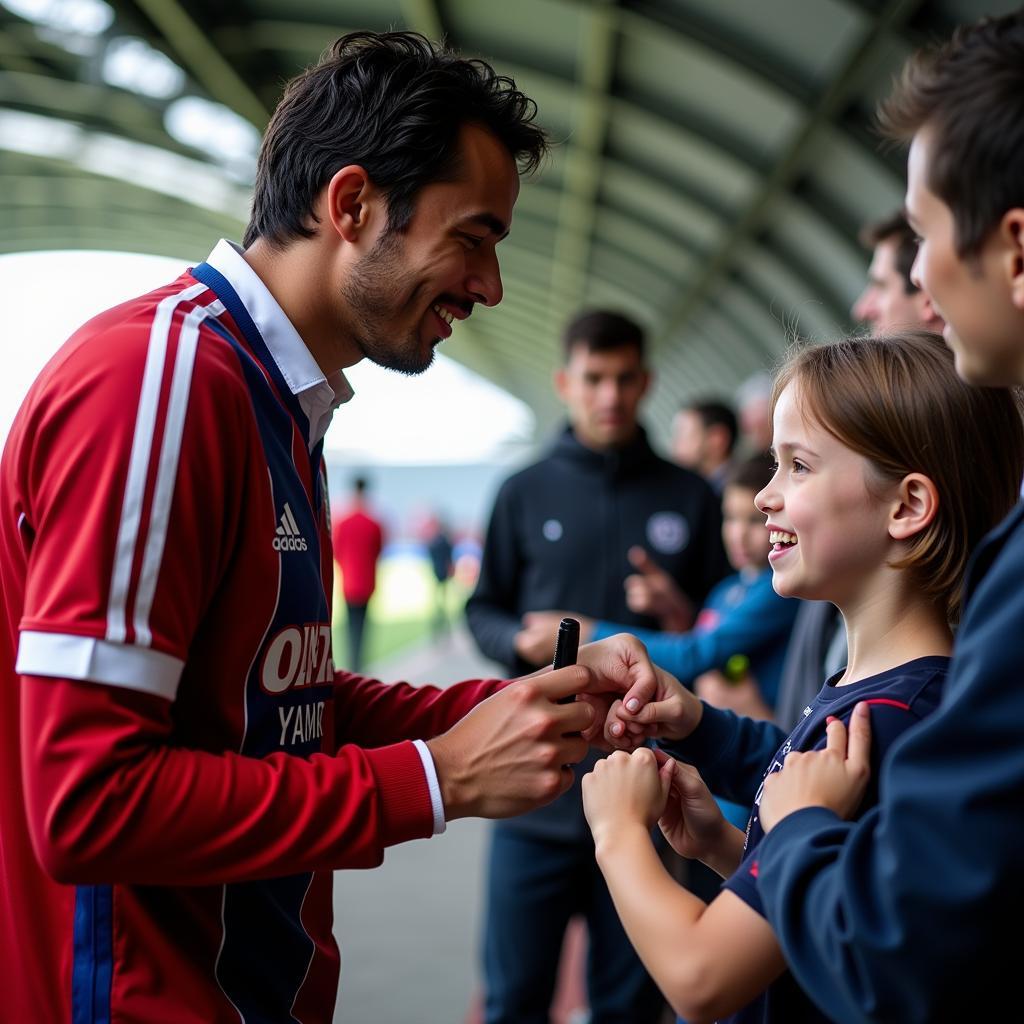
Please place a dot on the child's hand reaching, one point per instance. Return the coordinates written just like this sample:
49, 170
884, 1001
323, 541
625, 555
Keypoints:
693, 823
624, 790
671, 712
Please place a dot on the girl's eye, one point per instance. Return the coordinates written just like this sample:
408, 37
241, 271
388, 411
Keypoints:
798, 466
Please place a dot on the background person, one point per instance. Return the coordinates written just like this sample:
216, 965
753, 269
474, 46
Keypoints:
890, 300
358, 539
439, 552
703, 437
558, 537
753, 398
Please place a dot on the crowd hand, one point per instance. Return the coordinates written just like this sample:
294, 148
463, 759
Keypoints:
622, 790
692, 822
652, 591
514, 751
665, 711
742, 696
834, 777
535, 642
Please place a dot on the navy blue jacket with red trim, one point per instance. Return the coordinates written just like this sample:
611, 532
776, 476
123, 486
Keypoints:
908, 914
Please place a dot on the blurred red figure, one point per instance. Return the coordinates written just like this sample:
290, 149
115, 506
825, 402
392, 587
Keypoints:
358, 539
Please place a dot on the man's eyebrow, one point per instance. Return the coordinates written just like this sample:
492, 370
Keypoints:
489, 221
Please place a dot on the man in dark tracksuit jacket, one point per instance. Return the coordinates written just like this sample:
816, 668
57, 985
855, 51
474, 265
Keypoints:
909, 914
558, 539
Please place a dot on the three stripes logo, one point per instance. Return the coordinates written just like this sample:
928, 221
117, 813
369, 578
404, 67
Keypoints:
288, 536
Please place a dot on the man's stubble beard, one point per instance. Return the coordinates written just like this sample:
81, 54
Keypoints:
378, 292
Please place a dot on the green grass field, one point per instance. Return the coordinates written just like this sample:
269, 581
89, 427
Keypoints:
401, 612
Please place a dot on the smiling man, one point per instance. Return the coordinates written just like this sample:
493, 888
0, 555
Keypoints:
183, 765
904, 914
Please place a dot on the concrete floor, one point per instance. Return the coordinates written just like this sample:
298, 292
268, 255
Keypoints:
408, 930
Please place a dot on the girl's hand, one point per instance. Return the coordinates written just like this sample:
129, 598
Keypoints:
834, 777
692, 822
624, 790
670, 712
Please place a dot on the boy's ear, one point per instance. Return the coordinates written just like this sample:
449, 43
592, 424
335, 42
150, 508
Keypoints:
917, 502
1012, 229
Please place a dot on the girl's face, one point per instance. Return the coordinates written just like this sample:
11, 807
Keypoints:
746, 540
829, 533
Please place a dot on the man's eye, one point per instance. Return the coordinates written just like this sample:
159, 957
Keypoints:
471, 241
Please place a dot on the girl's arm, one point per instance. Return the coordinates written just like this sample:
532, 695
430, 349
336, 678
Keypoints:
708, 959
758, 621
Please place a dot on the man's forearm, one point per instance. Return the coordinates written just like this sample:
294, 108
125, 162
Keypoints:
111, 799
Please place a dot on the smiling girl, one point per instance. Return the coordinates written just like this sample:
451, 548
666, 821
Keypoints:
890, 470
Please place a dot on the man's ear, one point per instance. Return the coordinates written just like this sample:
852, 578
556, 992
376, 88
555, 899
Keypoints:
916, 504
561, 379
351, 202
1011, 229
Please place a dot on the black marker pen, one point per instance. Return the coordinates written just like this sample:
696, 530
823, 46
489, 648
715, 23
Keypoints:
567, 646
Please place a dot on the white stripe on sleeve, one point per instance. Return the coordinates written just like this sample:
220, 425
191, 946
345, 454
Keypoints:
138, 463
167, 472
62, 656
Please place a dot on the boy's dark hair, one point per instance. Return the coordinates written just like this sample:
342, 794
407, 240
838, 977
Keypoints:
753, 474
969, 94
602, 331
714, 413
393, 103
894, 228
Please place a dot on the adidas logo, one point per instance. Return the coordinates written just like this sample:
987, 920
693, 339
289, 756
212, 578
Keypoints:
288, 535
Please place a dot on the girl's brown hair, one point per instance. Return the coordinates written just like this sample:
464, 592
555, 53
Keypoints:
899, 403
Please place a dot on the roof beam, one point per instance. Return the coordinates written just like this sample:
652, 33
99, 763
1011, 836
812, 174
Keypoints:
790, 162
582, 178
192, 49
97, 106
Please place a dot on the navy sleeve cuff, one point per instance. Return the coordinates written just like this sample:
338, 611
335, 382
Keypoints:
712, 738
803, 835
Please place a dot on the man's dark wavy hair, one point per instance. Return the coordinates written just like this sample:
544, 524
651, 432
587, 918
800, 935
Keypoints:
393, 103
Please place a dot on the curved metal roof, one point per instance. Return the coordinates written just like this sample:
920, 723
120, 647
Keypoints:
714, 161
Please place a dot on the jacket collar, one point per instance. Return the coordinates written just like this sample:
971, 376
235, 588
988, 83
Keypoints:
614, 461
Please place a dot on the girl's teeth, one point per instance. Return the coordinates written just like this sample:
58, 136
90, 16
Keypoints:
780, 537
